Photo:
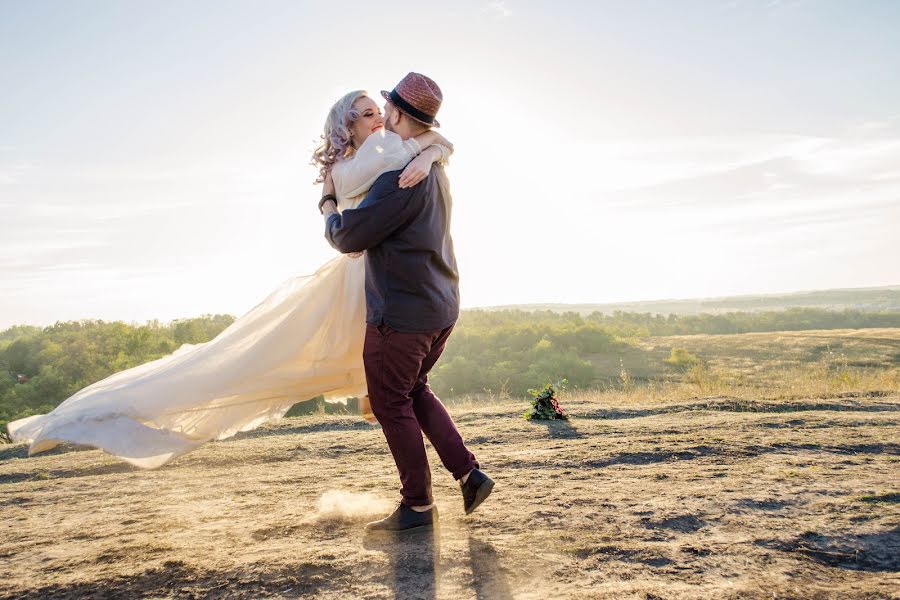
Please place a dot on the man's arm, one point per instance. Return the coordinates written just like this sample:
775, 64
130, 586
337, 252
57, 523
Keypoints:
385, 208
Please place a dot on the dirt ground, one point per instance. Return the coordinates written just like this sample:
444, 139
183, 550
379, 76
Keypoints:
707, 498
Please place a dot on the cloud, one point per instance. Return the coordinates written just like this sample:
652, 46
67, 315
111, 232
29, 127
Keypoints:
771, 5
887, 125
648, 164
792, 189
859, 159
498, 8
22, 258
10, 172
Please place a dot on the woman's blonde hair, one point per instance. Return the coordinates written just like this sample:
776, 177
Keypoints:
335, 144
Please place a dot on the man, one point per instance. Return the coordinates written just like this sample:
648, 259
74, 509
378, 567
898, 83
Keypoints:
412, 304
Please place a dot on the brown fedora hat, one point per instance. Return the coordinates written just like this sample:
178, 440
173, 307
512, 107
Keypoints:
418, 97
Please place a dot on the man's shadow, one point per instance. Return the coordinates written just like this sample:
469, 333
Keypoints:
488, 578
412, 556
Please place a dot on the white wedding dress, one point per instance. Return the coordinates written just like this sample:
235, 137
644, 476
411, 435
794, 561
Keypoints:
303, 340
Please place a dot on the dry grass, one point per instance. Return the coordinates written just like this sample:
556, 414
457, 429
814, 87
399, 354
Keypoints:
640, 495
811, 381
757, 355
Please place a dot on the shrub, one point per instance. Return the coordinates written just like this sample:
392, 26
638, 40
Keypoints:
545, 404
681, 359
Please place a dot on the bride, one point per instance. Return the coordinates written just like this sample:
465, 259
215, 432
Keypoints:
305, 339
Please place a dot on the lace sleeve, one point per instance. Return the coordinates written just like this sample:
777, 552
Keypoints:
382, 151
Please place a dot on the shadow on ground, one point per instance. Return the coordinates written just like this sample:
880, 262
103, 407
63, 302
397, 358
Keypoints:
559, 429
742, 405
412, 558
176, 579
864, 552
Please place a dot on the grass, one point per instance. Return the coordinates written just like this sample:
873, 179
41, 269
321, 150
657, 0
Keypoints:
780, 365
761, 366
808, 381
814, 381
759, 353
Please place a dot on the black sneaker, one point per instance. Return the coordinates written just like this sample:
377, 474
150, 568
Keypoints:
404, 518
476, 488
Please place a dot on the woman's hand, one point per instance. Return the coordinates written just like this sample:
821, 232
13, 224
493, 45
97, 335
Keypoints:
417, 170
354, 254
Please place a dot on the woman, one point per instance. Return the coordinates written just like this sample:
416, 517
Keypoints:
304, 340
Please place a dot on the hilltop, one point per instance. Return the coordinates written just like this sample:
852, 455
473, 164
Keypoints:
638, 496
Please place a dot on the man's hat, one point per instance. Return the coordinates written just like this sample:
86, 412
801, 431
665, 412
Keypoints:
417, 96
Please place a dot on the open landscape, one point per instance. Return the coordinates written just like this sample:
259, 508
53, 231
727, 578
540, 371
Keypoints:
773, 471
645, 252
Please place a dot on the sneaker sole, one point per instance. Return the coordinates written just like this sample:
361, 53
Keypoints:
483, 491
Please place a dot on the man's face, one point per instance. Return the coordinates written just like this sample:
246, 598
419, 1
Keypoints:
391, 117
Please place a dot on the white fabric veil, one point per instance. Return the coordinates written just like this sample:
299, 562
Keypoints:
303, 340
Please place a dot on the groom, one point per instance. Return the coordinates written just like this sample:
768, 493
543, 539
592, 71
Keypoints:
412, 303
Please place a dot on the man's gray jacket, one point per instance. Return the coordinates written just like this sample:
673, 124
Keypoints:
412, 282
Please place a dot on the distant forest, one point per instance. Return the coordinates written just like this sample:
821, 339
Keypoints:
505, 351
633, 324
880, 299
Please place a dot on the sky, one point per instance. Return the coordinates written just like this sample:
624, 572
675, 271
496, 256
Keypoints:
154, 156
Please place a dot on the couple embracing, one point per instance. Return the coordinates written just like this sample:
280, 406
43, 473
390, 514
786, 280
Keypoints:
411, 289
370, 327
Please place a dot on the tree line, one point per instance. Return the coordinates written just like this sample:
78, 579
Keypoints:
42, 366
502, 351
632, 324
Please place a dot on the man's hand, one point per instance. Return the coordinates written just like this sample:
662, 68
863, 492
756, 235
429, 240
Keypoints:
328, 186
329, 208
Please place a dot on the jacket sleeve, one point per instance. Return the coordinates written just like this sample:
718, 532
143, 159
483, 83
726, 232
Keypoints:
384, 210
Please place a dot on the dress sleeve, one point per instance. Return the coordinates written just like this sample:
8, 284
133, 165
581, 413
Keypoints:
382, 151
445, 154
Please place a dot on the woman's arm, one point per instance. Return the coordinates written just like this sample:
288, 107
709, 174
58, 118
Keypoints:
437, 150
432, 137
380, 153
419, 168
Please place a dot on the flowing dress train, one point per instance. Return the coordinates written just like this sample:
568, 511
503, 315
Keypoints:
303, 340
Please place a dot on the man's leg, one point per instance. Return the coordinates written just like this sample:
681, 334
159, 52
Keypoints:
393, 361
434, 419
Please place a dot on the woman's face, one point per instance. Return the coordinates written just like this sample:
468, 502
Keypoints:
369, 120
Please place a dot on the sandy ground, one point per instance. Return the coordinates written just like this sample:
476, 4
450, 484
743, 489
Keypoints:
711, 498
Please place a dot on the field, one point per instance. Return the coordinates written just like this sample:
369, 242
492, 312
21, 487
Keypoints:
768, 361
778, 489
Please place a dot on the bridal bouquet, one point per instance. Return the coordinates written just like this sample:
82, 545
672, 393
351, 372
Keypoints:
544, 403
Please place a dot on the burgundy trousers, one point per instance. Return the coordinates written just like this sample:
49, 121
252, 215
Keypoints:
397, 365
